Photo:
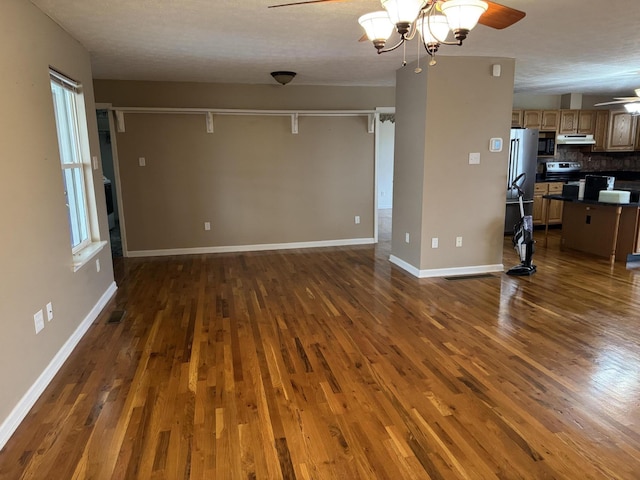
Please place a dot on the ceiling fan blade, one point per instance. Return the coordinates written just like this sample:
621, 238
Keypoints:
617, 102
304, 3
627, 99
498, 16
363, 38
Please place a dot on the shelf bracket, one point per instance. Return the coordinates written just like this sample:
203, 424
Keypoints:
120, 120
209, 120
372, 123
294, 123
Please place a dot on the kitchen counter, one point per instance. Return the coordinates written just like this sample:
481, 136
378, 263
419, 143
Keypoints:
605, 229
588, 202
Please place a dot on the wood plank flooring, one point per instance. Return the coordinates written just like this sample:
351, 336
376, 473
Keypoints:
334, 364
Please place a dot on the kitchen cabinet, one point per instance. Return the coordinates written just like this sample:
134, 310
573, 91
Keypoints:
621, 134
637, 146
555, 206
546, 120
516, 118
540, 205
600, 131
586, 121
577, 121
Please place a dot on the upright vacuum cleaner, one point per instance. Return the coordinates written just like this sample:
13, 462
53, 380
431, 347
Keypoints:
522, 235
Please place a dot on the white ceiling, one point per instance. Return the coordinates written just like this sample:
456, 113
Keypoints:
561, 46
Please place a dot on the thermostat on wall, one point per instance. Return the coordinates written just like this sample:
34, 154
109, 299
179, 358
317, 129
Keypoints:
495, 145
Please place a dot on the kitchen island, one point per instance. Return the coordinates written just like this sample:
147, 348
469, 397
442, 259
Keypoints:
605, 229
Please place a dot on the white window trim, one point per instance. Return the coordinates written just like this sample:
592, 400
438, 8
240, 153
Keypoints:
92, 245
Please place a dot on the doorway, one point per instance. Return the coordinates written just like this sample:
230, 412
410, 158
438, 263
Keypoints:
385, 134
109, 180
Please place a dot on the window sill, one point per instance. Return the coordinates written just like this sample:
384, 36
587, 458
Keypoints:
86, 254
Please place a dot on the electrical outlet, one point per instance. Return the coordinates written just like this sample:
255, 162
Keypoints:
142, 161
97, 264
38, 320
434, 242
207, 225
49, 311
474, 158
458, 241
406, 237
357, 219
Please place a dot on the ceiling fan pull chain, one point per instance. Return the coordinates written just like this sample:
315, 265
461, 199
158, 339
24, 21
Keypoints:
418, 69
404, 54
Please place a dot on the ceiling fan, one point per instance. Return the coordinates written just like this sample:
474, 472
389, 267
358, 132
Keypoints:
618, 100
433, 19
497, 16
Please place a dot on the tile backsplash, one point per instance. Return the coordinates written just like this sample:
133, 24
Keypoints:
599, 161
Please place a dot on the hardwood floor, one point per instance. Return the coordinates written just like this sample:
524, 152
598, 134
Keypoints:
334, 364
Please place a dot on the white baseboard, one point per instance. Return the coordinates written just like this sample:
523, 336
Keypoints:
20, 411
250, 248
446, 272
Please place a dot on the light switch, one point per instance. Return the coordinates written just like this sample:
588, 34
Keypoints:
142, 161
474, 158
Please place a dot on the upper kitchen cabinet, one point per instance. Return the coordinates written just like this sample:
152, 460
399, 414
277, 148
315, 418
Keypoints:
577, 121
516, 118
546, 120
600, 131
621, 136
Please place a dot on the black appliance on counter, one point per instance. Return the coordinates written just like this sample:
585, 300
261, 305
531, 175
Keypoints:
593, 184
523, 148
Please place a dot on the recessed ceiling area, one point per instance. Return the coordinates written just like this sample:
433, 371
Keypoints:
568, 46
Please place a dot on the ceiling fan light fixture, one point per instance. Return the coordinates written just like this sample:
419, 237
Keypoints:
283, 77
433, 28
403, 11
633, 108
377, 26
463, 15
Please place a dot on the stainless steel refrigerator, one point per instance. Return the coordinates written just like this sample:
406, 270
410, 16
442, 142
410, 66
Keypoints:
523, 157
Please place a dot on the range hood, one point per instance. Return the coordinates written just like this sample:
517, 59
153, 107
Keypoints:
575, 139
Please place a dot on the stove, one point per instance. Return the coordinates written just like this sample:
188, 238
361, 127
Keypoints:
562, 171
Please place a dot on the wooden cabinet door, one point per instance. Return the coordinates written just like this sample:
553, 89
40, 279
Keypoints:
600, 131
550, 120
516, 118
532, 119
538, 213
568, 121
622, 132
555, 206
586, 121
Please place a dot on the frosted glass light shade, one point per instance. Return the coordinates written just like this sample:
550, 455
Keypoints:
433, 28
463, 14
402, 11
376, 25
633, 108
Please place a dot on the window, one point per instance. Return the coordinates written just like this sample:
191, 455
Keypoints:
72, 137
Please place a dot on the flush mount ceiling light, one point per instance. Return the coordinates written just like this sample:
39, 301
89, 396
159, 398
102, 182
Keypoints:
283, 77
434, 19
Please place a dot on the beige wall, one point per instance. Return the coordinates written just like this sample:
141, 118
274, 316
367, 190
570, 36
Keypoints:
35, 251
552, 102
452, 109
252, 179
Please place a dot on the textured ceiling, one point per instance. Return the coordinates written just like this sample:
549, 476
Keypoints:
561, 46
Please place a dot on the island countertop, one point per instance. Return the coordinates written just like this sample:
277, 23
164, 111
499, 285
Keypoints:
590, 202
